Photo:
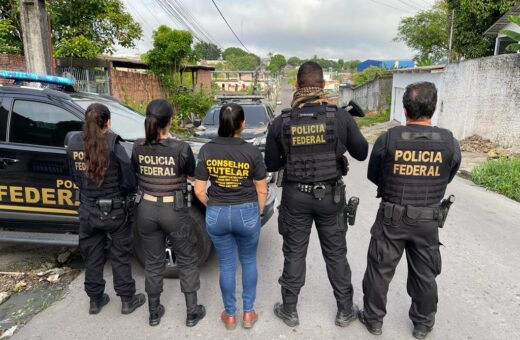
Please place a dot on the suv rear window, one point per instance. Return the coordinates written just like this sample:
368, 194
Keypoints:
255, 115
41, 123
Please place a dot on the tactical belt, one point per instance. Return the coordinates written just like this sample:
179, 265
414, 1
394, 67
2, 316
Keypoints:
318, 190
393, 213
163, 199
117, 202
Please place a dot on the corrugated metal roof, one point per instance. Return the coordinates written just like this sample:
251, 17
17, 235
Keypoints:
503, 21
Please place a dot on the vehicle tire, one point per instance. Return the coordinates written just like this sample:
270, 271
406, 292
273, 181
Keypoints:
204, 244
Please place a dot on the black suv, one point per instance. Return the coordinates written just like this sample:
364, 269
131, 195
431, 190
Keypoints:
38, 200
258, 114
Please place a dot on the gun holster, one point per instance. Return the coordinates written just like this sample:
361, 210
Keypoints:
105, 205
178, 201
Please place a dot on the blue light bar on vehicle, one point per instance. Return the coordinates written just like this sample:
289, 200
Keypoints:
37, 78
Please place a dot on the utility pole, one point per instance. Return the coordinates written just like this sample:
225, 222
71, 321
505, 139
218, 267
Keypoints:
451, 36
36, 36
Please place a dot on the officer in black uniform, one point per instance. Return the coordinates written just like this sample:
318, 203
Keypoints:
101, 169
412, 166
163, 164
309, 140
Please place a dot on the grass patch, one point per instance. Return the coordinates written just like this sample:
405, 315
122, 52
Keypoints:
371, 119
500, 175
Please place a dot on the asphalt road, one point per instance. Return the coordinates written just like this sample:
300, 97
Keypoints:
479, 288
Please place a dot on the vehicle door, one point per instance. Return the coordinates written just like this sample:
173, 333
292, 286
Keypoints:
35, 182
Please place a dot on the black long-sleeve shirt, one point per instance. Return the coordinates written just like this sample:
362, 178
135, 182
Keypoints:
348, 134
379, 149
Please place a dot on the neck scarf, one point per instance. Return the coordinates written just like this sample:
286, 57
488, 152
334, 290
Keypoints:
308, 95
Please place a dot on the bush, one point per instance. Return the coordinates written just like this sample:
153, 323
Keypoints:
500, 175
369, 74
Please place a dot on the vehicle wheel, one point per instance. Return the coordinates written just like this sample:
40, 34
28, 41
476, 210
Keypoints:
204, 244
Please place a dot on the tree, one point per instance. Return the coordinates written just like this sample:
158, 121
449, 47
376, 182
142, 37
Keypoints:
277, 63
294, 61
369, 74
80, 28
515, 47
472, 19
208, 51
233, 52
170, 49
427, 32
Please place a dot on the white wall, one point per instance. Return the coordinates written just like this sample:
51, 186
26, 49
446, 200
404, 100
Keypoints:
401, 80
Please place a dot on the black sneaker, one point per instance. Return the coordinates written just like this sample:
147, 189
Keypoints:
97, 304
374, 329
193, 318
343, 318
131, 303
421, 331
287, 313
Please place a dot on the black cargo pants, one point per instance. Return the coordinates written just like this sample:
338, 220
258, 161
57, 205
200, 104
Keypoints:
297, 212
155, 221
97, 232
420, 238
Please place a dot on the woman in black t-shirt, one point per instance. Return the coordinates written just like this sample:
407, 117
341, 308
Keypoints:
235, 200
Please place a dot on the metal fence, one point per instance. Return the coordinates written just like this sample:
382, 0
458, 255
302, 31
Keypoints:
89, 79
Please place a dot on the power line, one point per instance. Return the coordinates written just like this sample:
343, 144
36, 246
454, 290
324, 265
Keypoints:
411, 5
223, 17
185, 12
390, 6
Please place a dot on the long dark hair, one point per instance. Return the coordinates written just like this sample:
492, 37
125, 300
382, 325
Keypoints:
230, 119
158, 115
97, 153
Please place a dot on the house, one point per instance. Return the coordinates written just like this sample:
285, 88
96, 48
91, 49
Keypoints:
404, 77
389, 64
502, 41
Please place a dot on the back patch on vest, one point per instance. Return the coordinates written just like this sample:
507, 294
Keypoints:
227, 173
78, 157
308, 134
156, 166
417, 163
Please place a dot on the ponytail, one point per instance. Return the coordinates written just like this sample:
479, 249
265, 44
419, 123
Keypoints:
230, 119
97, 153
158, 115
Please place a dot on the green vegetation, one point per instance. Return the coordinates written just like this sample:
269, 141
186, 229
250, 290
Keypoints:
501, 175
294, 61
369, 74
172, 49
291, 77
207, 51
80, 28
238, 60
428, 31
515, 47
373, 118
277, 63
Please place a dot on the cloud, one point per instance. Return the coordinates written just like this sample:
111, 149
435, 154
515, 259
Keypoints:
347, 29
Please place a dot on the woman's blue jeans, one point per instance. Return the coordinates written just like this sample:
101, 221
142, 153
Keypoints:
235, 230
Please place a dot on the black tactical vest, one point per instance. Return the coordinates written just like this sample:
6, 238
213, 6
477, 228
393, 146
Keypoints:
110, 187
416, 166
159, 172
310, 142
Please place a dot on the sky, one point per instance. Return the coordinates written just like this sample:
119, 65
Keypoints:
333, 29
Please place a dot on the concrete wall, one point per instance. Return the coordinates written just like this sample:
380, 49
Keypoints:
371, 96
400, 81
482, 96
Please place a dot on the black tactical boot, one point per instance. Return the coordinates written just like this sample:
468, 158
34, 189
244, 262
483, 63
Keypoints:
97, 304
345, 316
131, 303
288, 313
194, 312
421, 331
376, 329
156, 310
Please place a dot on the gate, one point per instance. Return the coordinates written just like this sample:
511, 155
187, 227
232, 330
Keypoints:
95, 80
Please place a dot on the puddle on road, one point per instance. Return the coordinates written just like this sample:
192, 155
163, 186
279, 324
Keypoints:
36, 294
